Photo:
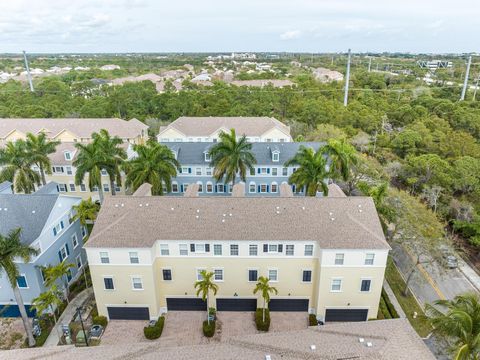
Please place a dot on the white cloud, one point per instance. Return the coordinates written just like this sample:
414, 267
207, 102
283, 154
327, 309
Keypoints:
290, 35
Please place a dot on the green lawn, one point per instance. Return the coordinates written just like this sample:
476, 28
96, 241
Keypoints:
408, 303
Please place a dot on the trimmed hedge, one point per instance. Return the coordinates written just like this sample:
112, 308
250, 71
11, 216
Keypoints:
154, 332
100, 320
389, 305
262, 326
312, 320
209, 329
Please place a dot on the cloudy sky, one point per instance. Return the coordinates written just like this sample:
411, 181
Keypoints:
241, 25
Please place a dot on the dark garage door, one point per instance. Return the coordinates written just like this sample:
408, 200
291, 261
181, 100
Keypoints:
128, 313
346, 315
236, 304
186, 304
288, 305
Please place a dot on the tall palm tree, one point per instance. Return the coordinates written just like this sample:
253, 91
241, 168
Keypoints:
12, 248
59, 271
38, 148
86, 211
17, 167
263, 286
343, 156
204, 286
90, 160
154, 164
114, 156
461, 322
312, 171
48, 300
230, 157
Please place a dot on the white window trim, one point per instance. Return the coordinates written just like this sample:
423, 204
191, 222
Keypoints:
373, 259
335, 259
286, 249
268, 274
370, 289
179, 250
79, 256
200, 251
141, 282
249, 253
221, 250
197, 272
271, 187
130, 257
223, 274
341, 285
305, 250
266, 188
171, 274
113, 282
165, 247
74, 236
248, 275
254, 187
178, 187
108, 257
26, 282
206, 187
311, 276
230, 249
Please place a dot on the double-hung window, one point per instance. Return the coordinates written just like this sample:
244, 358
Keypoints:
108, 283
104, 259
252, 275
63, 252
284, 171
308, 250
289, 250
339, 259
183, 249
174, 187
22, 282
220, 188
336, 285
253, 250
164, 251
199, 274
69, 170
133, 257
217, 249
72, 187
307, 276
137, 283
83, 187
274, 171
369, 259
167, 274
365, 285
198, 171
234, 250
74, 241
218, 274
79, 261
273, 275
208, 171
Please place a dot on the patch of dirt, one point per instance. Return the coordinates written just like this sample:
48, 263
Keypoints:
12, 333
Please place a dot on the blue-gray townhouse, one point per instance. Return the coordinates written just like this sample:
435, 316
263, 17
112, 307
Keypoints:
269, 171
47, 224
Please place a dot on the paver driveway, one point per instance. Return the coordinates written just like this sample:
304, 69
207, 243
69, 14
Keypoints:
288, 321
184, 328
234, 323
124, 331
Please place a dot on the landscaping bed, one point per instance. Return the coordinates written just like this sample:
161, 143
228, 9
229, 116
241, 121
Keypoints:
408, 303
262, 325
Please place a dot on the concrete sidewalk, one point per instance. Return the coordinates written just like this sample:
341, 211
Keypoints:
67, 316
470, 274
393, 300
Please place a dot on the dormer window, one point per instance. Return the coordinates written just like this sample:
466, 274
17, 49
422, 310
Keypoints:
276, 156
208, 158
68, 155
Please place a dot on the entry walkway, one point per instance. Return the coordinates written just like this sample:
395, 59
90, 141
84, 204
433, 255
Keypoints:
67, 316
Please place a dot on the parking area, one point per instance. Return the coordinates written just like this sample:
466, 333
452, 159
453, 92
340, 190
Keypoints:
125, 331
234, 323
288, 321
184, 328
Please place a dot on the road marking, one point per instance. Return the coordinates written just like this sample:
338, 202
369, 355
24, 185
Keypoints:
427, 276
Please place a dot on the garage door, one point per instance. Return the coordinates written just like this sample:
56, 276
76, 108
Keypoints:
346, 315
288, 305
128, 313
186, 304
236, 304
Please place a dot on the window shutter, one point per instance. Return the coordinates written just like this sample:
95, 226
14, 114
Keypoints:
60, 256
207, 247
54, 232
268, 170
192, 247
280, 248
265, 247
258, 188
61, 224
258, 171
268, 188
66, 248
189, 170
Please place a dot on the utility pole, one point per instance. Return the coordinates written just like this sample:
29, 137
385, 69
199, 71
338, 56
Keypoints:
476, 87
369, 64
347, 79
28, 71
465, 82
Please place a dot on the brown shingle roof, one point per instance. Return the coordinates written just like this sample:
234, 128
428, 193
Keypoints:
391, 340
81, 127
263, 83
205, 126
341, 223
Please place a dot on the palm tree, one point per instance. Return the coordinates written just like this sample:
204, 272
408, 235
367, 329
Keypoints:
12, 248
90, 160
204, 286
154, 164
343, 156
48, 300
461, 322
264, 287
38, 148
86, 211
17, 167
114, 156
230, 157
312, 171
59, 271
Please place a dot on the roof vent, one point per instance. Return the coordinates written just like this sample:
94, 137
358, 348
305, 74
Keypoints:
230, 214
140, 205
198, 210
146, 204
122, 205
223, 220
116, 205
330, 213
303, 207
5, 209
268, 357
313, 347
278, 212
33, 211
224, 215
369, 344
333, 219
361, 340
196, 216
359, 210
172, 208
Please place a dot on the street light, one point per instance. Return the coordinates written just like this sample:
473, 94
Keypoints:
79, 314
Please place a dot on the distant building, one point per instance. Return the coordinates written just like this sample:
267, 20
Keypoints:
327, 75
47, 225
434, 64
262, 83
207, 129
109, 67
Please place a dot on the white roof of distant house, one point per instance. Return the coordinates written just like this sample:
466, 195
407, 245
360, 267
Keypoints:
263, 83
145, 77
326, 75
82, 128
392, 339
205, 126
109, 67
335, 223
202, 77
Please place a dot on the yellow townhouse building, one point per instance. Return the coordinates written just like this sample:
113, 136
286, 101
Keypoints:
325, 256
70, 131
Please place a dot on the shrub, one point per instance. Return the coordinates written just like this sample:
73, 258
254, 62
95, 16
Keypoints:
100, 320
312, 320
154, 332
209, 329
262, 326
389, 305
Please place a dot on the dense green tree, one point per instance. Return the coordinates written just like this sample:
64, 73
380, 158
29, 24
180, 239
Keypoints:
86, 211
39, 148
